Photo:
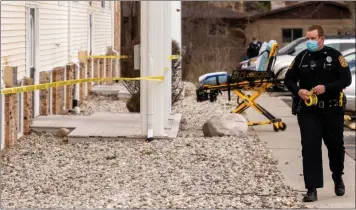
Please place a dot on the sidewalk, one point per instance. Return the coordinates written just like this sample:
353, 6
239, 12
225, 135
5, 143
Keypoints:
286, 148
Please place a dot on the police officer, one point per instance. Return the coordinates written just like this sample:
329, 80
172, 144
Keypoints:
254, 48
322, 71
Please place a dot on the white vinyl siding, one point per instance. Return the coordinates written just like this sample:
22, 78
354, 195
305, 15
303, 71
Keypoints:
79, 27
53, 35
53, 32
13, 35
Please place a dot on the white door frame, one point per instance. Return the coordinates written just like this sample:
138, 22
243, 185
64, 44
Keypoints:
36, 65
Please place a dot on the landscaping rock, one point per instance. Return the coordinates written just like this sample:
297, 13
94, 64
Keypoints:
228, 124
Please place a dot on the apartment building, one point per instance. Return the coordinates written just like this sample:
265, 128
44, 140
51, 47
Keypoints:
45, 36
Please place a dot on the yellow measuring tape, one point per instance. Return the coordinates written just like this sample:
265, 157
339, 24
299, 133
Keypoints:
341, 99
30, 88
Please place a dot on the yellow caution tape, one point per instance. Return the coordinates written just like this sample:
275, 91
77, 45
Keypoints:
173, 57
30, 88
313, 99
105, 56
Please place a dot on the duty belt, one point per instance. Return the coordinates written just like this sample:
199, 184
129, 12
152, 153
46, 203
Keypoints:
335, 103
328, 104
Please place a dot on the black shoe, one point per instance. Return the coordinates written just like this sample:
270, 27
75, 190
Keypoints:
311, 196
339, 185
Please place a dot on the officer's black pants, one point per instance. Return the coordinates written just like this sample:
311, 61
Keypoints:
314, 127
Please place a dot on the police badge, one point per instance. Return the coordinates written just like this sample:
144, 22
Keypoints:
343, 61
329, 59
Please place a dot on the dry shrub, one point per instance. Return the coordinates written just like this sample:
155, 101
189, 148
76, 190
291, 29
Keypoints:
133, 104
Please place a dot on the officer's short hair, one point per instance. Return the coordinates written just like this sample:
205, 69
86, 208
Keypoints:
319, 28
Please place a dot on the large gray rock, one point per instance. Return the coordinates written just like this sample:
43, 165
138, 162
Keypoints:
228, 124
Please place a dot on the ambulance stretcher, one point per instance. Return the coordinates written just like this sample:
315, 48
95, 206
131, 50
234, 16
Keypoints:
239, 82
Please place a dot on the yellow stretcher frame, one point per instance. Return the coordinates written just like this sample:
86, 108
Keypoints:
259, 86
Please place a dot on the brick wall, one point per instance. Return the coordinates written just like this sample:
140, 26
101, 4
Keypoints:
90, 86
69, 88
10, 120
102, 70
82, 85
108, 70
57, 92
44, 94
27, 106
11, 128
96, 69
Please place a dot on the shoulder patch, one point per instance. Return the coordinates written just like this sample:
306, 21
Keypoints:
343, 61
291, 65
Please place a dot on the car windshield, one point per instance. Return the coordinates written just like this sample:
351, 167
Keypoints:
350, 57
290, 45
299, 48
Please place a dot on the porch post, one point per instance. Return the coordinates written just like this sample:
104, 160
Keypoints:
167, 62
156, 46
144, 66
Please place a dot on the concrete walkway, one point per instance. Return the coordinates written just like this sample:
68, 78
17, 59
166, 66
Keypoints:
286, 148
101, 125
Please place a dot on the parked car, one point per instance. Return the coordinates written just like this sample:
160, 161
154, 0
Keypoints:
350, 92
287, 54
350, 57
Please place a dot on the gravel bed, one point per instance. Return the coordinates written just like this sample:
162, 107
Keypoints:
99, 103
42, 171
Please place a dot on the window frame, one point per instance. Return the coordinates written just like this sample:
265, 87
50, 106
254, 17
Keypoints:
293, 37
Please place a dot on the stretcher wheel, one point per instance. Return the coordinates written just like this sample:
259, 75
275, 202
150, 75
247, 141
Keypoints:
275, 127
282, 126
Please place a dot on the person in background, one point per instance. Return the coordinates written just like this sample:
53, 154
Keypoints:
253, 48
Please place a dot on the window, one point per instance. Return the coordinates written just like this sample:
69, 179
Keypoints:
217, 30
102, 4
291, 34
